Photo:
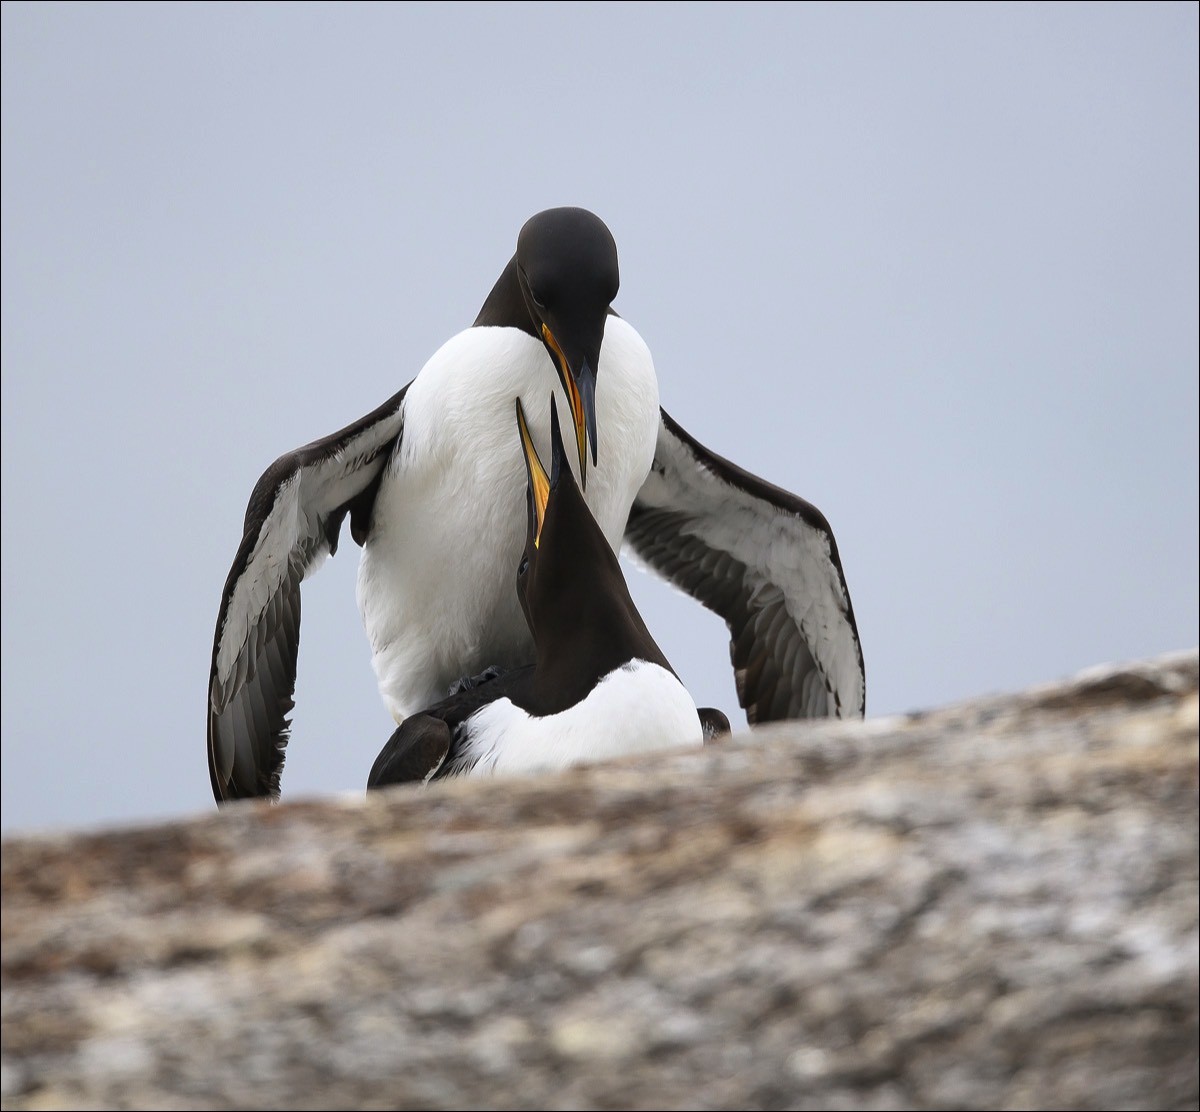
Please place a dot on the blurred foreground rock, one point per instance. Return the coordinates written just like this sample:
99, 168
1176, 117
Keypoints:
988, 906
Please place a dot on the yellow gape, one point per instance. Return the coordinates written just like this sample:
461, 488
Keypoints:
538, 479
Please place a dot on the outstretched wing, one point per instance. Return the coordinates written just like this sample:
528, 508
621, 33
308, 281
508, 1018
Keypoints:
766, 562
292, 523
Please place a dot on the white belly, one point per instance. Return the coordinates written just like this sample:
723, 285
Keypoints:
638, 708
437, 581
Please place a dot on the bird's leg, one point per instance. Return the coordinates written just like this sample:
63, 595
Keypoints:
469, 683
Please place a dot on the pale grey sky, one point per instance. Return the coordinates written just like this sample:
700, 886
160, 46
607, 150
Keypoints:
932, 267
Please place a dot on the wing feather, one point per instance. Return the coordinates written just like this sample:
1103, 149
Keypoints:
764, 560
292, 523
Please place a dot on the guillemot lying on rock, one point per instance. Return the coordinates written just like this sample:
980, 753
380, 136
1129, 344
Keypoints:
599, 687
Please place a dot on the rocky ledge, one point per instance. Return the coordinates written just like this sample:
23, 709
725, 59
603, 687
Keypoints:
992, 905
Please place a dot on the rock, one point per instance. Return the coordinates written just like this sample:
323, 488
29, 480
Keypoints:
993, 905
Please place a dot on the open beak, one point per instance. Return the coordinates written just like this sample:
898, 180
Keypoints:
580, 385
535, 473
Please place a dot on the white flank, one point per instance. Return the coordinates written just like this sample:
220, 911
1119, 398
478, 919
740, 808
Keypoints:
638, 708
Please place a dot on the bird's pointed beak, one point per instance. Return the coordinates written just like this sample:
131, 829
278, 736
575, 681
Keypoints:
538, 481
580, 385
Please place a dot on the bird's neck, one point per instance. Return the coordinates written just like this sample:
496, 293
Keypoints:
601, 630
505, 306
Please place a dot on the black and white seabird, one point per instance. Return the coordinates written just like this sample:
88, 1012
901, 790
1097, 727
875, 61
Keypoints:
434, 584
599, 686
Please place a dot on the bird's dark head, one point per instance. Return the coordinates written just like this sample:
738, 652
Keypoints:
567, 270
567, 560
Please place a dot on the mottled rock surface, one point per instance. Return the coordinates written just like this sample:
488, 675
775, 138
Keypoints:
988, 906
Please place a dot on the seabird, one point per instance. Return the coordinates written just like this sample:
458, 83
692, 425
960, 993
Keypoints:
434, 584
599, 686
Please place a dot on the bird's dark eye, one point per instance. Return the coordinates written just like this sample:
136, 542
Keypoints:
534, 295
523, 567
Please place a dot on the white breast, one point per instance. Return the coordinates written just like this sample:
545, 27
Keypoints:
437, 581
638, 708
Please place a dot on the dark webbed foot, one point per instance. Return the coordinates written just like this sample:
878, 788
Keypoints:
714, 724
469, 683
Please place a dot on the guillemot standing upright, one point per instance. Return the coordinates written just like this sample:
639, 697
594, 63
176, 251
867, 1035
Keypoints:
599, 686
763, 559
